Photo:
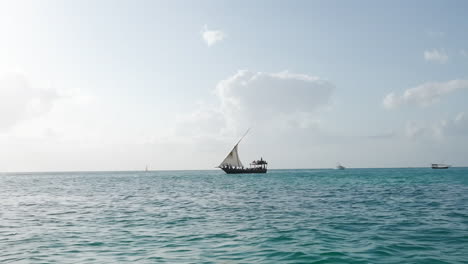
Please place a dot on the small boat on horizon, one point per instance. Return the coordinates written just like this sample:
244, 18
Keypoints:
232, 164
439, 166
340, 167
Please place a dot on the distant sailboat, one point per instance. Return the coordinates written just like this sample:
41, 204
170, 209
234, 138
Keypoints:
232, 164
146, 168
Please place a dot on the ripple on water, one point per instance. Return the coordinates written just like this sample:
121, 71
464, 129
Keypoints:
285, 216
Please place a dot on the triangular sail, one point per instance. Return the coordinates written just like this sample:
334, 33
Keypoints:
232, 159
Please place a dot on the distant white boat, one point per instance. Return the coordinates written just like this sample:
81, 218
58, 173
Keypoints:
340, 167
439, 166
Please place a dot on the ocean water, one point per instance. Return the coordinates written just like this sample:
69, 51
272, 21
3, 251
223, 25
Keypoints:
284, 216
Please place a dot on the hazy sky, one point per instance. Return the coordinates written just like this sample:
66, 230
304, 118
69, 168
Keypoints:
118, 85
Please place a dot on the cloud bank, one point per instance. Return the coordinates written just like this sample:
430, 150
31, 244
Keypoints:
424, 94
211, 37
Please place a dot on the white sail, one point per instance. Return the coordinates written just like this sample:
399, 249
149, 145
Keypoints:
232, 159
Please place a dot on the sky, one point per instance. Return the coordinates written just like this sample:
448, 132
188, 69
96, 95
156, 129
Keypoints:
172, 85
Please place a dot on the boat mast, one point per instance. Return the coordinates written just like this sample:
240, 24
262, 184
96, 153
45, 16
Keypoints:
246, 132
243, 137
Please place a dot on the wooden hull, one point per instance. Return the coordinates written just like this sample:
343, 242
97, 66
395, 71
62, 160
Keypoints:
244, 170
440, 168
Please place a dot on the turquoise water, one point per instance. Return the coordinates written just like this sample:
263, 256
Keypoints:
285, 216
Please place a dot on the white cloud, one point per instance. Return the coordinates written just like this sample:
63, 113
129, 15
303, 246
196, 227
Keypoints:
251, 98
391, 100
424, 94
264, 101
212, 37
20, 101
436, 55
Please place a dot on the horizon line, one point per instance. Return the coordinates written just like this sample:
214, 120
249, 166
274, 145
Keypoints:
163, 170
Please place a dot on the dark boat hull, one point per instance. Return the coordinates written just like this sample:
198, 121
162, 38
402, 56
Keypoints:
439, 168
244, 170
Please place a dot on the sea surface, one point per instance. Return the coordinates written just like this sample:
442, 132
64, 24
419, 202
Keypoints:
284, 216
